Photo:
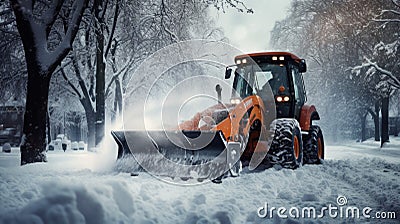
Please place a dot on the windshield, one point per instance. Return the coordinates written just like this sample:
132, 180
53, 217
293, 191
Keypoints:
253, 79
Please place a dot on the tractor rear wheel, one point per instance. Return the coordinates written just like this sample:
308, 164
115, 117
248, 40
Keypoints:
314, 150
287, 146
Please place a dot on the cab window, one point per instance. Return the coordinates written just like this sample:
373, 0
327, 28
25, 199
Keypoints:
298, 86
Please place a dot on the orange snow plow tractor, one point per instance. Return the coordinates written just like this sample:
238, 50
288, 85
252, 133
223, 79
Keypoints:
266, 120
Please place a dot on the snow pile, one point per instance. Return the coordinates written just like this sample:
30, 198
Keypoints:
69, 190
61, 204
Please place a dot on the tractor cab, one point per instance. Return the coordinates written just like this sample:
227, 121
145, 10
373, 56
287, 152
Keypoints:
279, 71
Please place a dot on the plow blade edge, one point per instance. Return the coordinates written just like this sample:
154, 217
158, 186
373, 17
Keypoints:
171, 144
178, 153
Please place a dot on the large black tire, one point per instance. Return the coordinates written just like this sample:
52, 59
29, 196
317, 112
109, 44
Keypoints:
314, 149
286, 148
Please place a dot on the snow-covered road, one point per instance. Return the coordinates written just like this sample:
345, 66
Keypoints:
77, 187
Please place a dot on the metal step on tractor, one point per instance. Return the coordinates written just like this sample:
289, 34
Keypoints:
266, 120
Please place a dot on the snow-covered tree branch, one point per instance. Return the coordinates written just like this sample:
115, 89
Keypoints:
393, 80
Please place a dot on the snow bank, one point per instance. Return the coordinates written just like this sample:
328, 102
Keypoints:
60, 204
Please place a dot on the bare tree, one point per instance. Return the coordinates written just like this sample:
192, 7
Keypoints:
131, 32
335, 37
35, 22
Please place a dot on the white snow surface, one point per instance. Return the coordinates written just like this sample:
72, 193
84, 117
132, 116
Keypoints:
80, 187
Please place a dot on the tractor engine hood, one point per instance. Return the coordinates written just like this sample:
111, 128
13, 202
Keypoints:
207, 119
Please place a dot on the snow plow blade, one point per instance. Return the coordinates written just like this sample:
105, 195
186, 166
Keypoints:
172, 152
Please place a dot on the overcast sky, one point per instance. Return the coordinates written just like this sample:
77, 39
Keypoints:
251, 32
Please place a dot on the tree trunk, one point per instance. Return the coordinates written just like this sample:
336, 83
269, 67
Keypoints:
100, 85
118, 90
100, 77
90, 120
363, 126
376, 121
33, 146
385, 120
117, 100
48, 127
91, 123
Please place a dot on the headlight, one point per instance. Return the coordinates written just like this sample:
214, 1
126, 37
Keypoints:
281, 99
235, 101
241, 61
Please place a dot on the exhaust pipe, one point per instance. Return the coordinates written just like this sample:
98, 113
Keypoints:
219, 91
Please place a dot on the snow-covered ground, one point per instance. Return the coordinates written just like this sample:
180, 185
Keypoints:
80, 187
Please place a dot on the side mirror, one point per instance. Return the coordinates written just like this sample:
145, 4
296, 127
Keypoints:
302, 66
228, 73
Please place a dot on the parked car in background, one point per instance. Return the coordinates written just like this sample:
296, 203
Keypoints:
11, 136
81, 145
6, 148
56, 144
74, 145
